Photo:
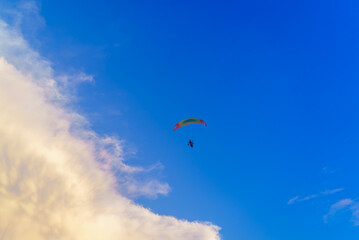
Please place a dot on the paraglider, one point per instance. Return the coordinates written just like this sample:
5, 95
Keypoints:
189, 121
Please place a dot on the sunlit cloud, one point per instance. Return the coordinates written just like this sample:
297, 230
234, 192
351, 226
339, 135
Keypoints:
58, 178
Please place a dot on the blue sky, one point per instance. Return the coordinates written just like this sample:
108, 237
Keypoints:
276, 82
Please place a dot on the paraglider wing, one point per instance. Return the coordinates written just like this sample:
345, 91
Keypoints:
188, 121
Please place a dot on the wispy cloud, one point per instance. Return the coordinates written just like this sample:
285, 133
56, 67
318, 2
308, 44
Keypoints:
302, 199
58, 178
344, 205
292, 200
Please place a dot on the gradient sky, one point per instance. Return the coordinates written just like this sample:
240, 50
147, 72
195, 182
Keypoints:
276, 82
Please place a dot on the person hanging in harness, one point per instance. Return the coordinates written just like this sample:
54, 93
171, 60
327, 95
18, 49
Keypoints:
186, 122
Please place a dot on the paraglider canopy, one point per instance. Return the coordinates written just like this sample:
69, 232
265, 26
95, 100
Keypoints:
188, 121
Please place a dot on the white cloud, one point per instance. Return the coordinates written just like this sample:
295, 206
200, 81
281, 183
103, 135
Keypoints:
344, 205
292, 200
55, 174
341, 204
326, 192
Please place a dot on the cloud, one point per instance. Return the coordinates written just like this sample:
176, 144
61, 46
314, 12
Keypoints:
326, 192
342, 206
60, 180
346, 205
292, 200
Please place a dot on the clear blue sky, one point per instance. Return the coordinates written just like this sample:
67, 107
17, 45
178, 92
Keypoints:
276, 82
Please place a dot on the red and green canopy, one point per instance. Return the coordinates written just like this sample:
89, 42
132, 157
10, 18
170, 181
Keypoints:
188, 121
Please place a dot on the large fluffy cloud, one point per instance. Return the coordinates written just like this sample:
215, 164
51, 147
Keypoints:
55, 178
